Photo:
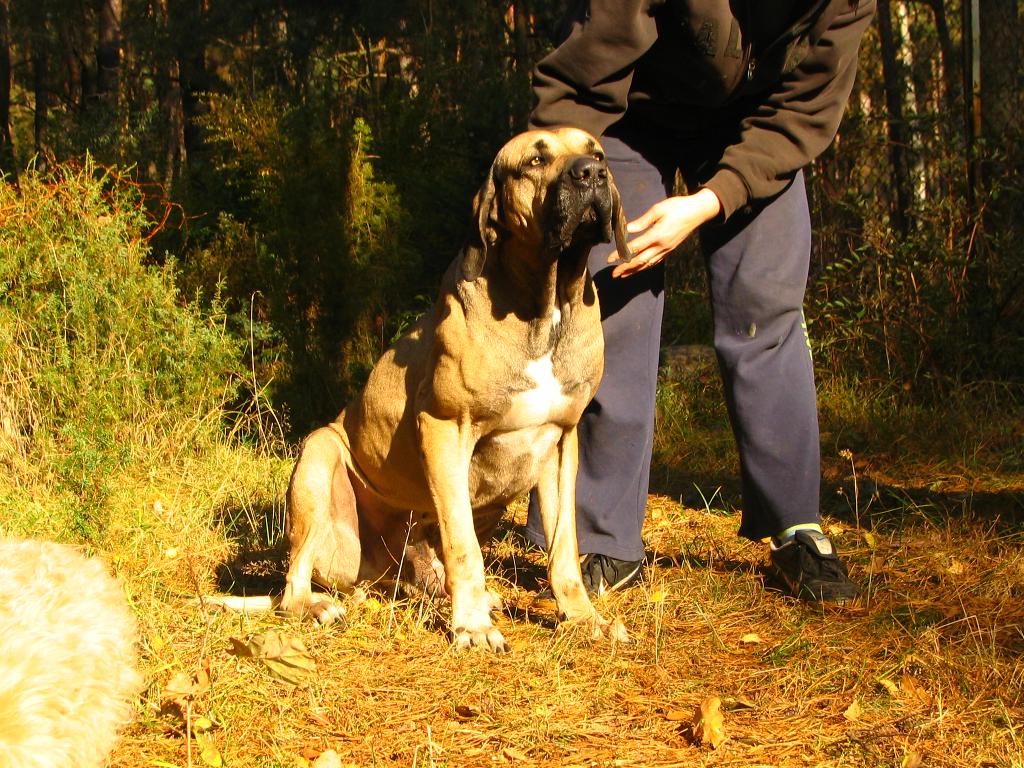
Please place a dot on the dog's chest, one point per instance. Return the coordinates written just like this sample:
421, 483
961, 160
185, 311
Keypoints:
546, 394
543, 399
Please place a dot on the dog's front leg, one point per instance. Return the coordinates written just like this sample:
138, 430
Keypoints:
447, 447
556, 499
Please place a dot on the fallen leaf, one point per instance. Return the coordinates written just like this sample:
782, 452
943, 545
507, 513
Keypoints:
183, 688
889, 685
835, 530
869, 539
912, 760
285, 656
853, 712
709, 723
320, 720
677, 715
179, 688
515, 755
466, 713
956, 568
914, 691
658, 596
201, 724
310, 753
751, 638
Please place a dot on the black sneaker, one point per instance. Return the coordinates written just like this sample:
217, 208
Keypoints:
809, 566
603, 574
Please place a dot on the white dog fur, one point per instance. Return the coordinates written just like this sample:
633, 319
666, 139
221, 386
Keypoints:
68, 666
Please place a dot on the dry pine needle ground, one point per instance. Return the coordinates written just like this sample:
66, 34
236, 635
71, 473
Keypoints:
926, 670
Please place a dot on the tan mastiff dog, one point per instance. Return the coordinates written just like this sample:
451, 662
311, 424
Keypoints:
473, 407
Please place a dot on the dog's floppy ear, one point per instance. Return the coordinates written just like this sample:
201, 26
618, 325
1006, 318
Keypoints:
619, 226
484, 230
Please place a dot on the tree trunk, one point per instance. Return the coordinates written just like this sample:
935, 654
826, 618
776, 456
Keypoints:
168, 88
187, 21
40, 85
72, 65
520, 17
915, 103
948, 55
992, 277
1000, 68
895, 123
8, 167
108, 51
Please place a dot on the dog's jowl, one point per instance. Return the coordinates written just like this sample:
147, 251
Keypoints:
473, 407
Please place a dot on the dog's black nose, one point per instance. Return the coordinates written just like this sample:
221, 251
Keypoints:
587, 170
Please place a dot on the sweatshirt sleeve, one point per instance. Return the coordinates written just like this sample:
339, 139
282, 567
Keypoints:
585, 81
796, 121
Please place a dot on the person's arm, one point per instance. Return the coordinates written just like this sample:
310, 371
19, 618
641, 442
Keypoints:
798, 120
585, 81
789, 129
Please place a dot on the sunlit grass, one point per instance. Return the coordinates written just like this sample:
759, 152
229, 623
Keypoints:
927, 667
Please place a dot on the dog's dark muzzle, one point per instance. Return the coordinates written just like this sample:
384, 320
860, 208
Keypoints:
582, 212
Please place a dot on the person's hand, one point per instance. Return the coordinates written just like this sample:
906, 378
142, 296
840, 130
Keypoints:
663, 227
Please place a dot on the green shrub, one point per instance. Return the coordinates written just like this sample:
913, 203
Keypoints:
101, 362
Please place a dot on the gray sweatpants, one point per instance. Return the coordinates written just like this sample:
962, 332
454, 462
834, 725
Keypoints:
757, 267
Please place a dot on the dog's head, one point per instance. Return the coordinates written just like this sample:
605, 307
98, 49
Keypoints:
552, 191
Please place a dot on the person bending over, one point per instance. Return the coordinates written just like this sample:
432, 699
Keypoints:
738, 97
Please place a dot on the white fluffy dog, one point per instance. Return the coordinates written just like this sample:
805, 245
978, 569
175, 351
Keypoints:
68, 673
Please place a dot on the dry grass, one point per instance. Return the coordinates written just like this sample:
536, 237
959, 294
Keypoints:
926, 671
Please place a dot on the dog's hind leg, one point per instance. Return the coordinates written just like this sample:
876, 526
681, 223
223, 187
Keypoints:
322, 528
422, 571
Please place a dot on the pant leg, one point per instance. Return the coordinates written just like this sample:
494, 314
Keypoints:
757, 269
616, 432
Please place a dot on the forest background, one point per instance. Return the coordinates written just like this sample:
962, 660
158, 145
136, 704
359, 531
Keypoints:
307, 167
216, 215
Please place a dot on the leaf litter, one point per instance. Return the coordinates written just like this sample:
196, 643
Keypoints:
926, 671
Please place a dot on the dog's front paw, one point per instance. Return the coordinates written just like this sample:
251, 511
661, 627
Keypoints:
614, 630
472, 626
599, 627
327, 612
483, 636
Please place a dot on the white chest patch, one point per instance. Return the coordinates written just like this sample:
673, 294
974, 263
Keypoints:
538, 404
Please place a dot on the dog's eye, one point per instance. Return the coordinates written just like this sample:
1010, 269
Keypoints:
536, 160
599, 156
